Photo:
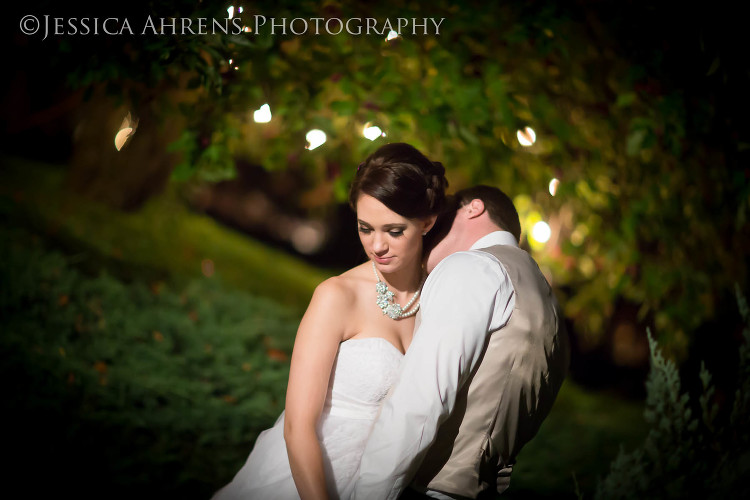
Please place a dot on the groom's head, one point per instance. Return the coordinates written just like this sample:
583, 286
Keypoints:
471, 214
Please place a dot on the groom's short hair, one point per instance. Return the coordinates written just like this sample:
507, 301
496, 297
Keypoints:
499, 207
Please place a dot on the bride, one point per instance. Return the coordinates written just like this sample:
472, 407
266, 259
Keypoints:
351, 339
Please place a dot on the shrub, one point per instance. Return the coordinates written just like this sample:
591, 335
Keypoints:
129, 389
684, 455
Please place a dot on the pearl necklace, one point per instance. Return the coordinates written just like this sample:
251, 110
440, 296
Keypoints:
385, 300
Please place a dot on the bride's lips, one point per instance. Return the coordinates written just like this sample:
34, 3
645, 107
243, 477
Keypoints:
382, 260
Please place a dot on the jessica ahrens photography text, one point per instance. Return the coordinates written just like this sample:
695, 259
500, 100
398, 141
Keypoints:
81, 26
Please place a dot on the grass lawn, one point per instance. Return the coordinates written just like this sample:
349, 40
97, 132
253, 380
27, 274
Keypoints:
162, 241
576, 444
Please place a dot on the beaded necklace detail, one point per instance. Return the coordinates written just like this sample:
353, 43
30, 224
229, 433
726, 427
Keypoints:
385, 300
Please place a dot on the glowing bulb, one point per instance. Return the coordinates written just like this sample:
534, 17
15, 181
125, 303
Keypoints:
391, 35
553, 184
315, 138
240, 10
541, 232
122, 137
246, 29
230, 11
263, 114
372, 132
127, 129
526, 137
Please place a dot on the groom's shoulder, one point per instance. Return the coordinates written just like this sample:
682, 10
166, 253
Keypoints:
466, 260
470, 266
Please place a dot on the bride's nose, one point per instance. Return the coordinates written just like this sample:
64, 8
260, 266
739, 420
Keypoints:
379, 244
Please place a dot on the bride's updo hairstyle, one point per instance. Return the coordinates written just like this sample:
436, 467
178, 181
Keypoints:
402, 179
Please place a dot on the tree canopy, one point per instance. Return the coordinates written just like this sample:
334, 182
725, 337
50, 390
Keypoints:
638, 111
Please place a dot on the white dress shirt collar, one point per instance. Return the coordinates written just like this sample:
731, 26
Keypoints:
495, 238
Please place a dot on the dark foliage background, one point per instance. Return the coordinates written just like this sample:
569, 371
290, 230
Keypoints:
640, 112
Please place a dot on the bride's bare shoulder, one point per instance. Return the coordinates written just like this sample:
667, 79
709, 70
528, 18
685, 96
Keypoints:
342, 290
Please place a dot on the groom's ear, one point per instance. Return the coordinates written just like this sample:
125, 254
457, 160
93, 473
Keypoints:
474, 208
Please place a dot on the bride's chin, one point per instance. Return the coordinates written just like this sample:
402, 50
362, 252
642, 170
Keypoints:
387, 268
383, 268
395, 265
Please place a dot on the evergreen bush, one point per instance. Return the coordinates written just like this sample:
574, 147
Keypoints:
113, 389
686, 455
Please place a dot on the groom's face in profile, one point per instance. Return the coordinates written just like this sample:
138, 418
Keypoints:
440, 241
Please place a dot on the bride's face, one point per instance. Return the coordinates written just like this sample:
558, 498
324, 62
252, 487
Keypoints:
392, 241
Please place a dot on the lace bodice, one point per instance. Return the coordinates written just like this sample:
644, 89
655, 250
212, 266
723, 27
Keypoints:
363, 372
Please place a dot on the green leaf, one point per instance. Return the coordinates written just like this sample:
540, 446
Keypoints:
635, 141
344, 108
626, 99
714, 66
182, 172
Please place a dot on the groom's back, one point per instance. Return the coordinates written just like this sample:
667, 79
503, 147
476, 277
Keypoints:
508, 396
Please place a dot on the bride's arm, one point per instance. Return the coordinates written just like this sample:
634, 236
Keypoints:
320, 332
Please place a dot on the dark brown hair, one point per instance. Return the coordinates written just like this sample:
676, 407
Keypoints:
402, 179
499, 207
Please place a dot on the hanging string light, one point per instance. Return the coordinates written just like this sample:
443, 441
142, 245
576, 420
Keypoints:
526, 137
127, 129
372, 132
553, 185
262, 114
541, 232
315, 138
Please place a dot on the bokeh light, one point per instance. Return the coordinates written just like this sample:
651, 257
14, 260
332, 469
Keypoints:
262, 114
372, 132
541, 232
127, 129
308, 237
553, 185
315, 138
526, 137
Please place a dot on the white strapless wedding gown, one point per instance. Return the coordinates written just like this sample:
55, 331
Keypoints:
363, 372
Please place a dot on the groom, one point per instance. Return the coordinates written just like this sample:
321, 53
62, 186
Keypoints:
482, 371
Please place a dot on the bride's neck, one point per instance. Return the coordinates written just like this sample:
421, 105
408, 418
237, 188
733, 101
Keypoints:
405, 280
